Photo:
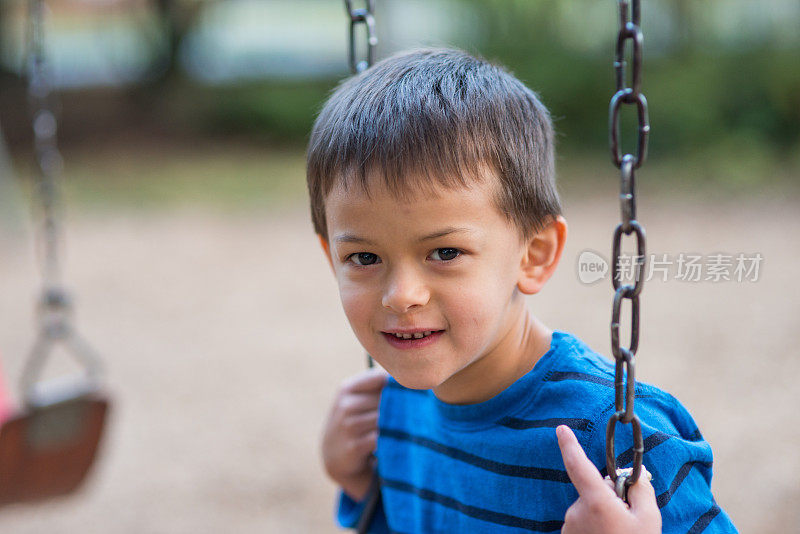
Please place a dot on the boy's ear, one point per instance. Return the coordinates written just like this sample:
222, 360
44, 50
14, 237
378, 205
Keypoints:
326, 249
541, 256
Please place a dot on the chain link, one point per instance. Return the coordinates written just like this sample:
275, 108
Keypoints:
362, 16
627, 96
625, 357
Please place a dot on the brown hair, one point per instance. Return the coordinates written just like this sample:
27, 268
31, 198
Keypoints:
436, 117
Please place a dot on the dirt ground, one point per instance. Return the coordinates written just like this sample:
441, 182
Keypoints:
224, 342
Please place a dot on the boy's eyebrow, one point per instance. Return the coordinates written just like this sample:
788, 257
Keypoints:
351, 238
447, 231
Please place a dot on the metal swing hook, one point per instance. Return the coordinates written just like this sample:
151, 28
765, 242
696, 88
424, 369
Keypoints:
55, 328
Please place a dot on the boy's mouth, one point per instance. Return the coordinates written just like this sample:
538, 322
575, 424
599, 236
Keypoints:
414, 335
415, 339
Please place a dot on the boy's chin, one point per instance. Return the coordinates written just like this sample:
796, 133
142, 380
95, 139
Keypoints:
417, 384
415, 381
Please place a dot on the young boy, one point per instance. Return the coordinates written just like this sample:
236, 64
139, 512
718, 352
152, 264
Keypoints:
433, 194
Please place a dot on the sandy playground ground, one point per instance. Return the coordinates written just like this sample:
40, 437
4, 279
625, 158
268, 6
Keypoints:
225, 342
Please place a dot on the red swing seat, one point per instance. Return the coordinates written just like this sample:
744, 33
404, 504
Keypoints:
48, 447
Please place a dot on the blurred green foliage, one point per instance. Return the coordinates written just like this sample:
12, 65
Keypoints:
716, 99
278, 111
695, 101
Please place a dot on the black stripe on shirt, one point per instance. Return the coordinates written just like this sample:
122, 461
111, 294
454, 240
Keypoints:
704, 520
524, 424
695, 436
683, 472
560, 376
512, 470
639, 396
483, 514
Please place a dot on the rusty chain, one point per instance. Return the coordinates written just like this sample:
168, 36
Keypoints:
625, 357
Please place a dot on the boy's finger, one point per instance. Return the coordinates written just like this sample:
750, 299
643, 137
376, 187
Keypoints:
642, 498
369, 381
363, 422
356, 403
583, 474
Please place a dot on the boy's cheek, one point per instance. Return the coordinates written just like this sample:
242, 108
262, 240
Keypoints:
357, 309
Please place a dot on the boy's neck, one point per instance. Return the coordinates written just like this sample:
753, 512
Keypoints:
512, 358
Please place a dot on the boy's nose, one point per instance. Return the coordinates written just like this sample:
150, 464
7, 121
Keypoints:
405, 291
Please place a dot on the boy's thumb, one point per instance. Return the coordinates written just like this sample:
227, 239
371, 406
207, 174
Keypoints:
642, 499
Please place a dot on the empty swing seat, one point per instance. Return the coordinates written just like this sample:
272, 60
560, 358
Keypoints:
47, 448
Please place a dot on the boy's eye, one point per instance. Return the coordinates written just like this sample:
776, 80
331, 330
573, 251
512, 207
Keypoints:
446, 254
363, 258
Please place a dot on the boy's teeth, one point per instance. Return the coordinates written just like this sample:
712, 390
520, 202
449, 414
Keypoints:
418, 335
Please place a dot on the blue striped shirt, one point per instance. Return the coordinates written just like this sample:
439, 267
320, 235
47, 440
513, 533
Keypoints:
495, 466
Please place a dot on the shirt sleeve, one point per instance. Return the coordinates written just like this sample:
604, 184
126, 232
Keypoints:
349, 512
679, 459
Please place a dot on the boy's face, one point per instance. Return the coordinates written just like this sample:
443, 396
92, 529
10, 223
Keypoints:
449, 263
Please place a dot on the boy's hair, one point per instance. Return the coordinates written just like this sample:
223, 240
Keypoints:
436, 117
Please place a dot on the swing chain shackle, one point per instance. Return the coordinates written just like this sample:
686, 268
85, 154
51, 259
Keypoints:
361, 16
625, 357
55, 305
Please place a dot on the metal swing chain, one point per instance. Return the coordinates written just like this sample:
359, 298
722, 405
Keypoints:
625, 357
366, 17
361, 16
55, 303
48, 158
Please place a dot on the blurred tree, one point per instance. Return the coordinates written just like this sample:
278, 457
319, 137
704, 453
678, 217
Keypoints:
684, 27
6, 72
701, 93
176, 19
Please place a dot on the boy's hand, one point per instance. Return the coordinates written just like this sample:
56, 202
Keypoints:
598, 510
351, 432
